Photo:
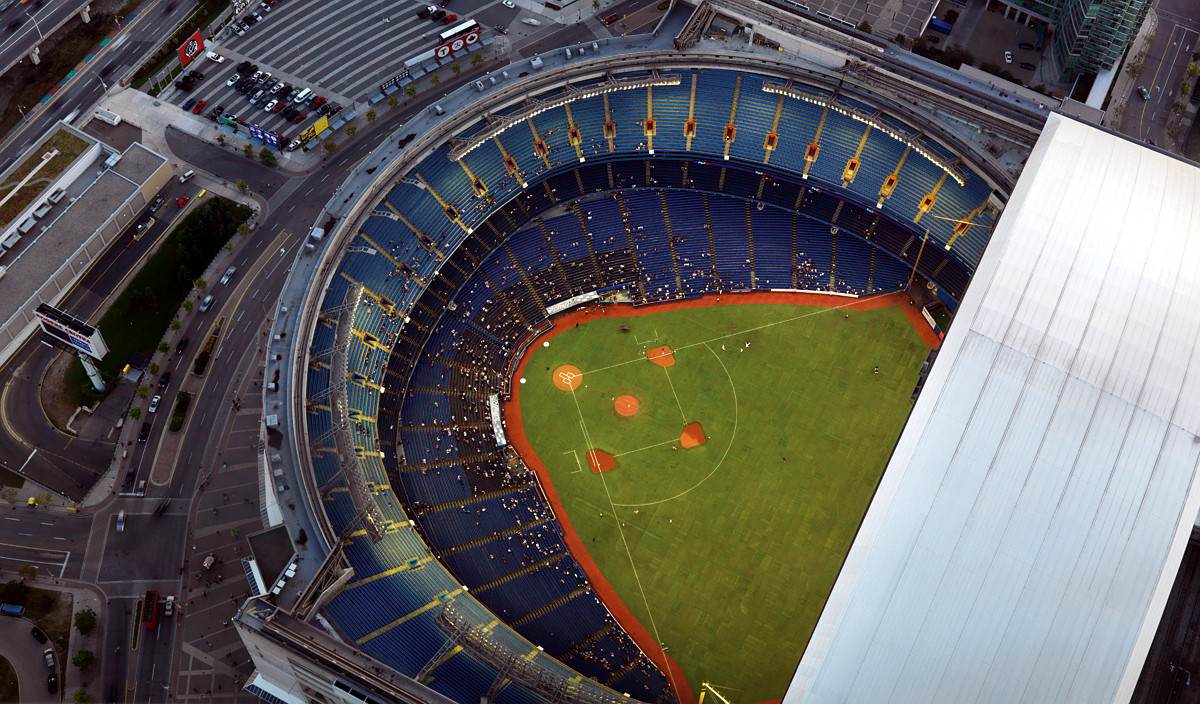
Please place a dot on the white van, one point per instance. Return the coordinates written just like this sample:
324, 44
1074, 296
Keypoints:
303, 95
187, 176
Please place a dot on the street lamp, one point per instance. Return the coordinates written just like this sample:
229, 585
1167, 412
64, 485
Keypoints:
36, 25
118, 18
21, 108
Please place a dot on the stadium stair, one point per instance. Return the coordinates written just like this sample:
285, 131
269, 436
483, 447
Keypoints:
495, 536
521, 572
549, 607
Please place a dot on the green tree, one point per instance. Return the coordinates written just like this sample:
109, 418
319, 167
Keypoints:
81, 696
1135, 69
85, 621
435, 79
371, 115
27, 572
243, 229
141, 390
456, 68
595, 4
153, 368
248, 149
200, 284
135, 413
1178, 107
164, 347
351, 130
331, 146
1185, 89
864, 26
84, 659
241, 185
477, 59
1193, 70
393, 101
900, 39
267, 156
187, 306
9, 494
43, 499
175, 324
410, 90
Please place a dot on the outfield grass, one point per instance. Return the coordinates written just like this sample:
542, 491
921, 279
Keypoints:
725, 552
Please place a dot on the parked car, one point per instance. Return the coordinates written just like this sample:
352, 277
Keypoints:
500, 29
426, 12
185, 87
449, 18
182, 201
299, 118
216, 112
199, 106
257, 75
156, 204
508, 3
1028, 66
195, 74
319, 101
52, 684
437, 16
38, 634
932, 38
612, 18
48, 654
154, 404
1008, 57
233, 79
270, 107
249, 20
289, 113
1027, 46
215, 57
188, 105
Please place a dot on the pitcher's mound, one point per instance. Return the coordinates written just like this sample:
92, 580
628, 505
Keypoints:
600, 461
626, 405
662, 356
692, 436
567, 377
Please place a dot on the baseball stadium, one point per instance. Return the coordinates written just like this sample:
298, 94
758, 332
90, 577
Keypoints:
599, 391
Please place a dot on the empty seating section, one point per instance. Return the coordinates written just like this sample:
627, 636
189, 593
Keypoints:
682, 224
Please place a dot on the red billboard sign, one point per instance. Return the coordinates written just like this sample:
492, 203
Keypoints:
191, 49
457, 43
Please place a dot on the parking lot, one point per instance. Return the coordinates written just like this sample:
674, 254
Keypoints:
341, 52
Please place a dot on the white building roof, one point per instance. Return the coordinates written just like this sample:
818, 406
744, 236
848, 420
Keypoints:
1027, 530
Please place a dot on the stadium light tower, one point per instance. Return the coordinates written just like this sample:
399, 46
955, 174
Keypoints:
69, 332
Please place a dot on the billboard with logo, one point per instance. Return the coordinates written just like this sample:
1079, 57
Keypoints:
457, 44
268, 137
315, 129
191, 49
70, 331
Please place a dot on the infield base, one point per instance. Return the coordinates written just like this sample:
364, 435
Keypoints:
600, 461
693, 435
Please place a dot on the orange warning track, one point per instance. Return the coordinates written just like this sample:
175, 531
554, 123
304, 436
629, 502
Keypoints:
516, 433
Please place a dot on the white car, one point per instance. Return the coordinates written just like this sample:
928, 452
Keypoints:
169, 606
233, 79
532, 22
215, 57
230, 271
1008, 57
206, 304
508, 3
154, 403
269, 107
121, 521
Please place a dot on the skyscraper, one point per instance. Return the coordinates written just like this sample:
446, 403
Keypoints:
1090, 35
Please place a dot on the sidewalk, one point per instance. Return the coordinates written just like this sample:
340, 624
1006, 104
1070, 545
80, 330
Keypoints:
83, 597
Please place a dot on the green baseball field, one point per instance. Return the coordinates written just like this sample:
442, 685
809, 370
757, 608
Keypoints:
740, 446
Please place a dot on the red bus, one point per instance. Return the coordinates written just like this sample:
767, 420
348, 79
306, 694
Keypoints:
150, 609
